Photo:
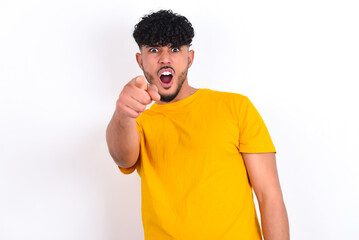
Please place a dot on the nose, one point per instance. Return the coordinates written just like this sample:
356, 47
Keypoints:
165, 57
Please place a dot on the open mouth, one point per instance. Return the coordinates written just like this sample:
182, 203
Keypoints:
166, 75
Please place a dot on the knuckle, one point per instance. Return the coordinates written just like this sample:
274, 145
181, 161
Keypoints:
143, 108
147, 98
133, 115
121, 107
126, 88
121, 99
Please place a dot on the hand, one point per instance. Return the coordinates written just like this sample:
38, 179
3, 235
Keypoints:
135, 96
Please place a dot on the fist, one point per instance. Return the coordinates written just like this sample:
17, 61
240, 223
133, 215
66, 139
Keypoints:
135, 96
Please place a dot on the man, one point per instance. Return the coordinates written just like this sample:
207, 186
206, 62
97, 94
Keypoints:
198, 152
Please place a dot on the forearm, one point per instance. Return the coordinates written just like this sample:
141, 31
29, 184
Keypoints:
123, 140
274, 219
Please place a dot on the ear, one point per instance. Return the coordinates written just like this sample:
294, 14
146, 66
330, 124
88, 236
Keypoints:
139, 60
190, 58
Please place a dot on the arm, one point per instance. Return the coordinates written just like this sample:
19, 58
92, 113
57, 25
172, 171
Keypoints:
123, 140
262, 172
122, 137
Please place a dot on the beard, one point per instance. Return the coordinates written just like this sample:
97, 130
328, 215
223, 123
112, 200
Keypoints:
169, 97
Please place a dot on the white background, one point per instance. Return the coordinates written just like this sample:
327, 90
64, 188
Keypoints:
64, 63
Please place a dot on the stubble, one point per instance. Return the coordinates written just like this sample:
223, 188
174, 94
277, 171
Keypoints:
169, 97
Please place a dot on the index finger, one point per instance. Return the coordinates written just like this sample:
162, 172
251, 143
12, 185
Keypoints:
141, 83
153, 92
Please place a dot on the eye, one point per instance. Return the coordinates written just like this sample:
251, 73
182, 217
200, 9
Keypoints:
153, 50
175, 49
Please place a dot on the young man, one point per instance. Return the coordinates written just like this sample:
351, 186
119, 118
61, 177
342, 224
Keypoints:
198, 152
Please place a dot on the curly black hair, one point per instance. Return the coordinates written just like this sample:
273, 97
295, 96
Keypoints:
163, 28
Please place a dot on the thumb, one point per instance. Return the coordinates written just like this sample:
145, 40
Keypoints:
153, 92
141, 83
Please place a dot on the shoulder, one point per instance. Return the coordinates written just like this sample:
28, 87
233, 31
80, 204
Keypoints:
225, 97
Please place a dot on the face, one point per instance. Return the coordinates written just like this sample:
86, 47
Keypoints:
166, 67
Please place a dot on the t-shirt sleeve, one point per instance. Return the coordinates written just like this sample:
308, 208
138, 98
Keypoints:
136, 166
254, 135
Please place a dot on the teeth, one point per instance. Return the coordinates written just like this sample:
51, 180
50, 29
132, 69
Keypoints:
166, 73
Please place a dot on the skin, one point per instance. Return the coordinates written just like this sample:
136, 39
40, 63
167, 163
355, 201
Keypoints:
263, 175
151, 59
123, 138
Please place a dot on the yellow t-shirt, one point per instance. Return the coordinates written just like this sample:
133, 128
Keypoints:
194, 182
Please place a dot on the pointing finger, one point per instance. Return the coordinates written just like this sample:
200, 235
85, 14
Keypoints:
141, 83
153, 92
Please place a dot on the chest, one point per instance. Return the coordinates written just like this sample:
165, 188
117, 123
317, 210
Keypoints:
191, 132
